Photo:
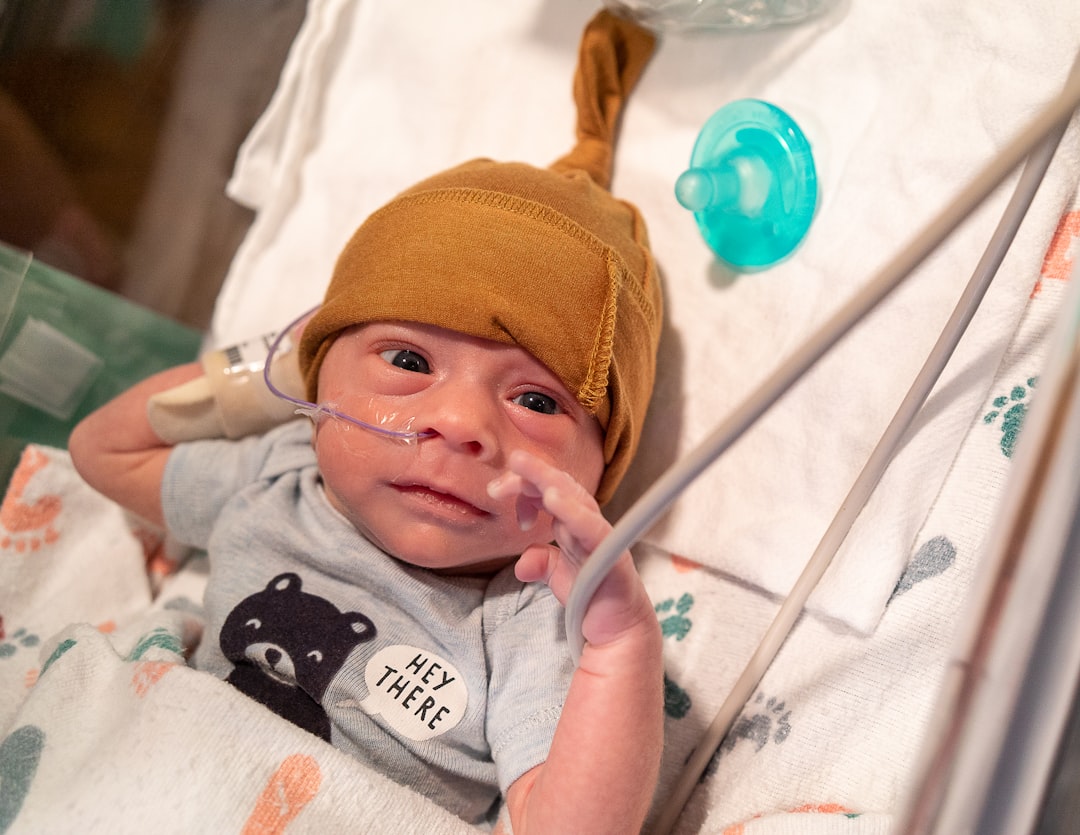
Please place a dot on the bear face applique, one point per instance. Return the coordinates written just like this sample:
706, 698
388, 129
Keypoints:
287, 645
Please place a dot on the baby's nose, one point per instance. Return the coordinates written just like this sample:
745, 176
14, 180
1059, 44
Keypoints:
466, 417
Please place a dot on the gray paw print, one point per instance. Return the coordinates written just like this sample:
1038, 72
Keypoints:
19, 639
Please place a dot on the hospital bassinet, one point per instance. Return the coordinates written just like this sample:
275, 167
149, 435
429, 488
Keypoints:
904, 103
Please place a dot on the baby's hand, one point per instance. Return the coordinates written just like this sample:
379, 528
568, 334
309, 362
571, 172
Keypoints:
578, 527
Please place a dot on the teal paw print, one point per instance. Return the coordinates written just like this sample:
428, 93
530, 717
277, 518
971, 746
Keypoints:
161, 639
19, 639
1011, 409
676, 700
675, 624
20, 753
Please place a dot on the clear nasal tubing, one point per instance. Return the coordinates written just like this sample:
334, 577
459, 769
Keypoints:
318, 411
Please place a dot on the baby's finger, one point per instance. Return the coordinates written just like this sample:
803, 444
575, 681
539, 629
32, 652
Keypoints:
527, 504
527, 511
536, 563
579, 528
545, 476
545, 564
506, 485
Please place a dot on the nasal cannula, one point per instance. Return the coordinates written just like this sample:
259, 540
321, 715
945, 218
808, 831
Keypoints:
318, 410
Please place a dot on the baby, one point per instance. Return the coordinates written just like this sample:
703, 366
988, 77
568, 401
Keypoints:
398, 591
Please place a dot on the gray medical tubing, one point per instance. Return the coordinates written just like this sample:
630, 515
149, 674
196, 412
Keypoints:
867, 480
1053, 118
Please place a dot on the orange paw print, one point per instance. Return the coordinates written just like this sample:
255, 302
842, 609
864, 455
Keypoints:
28, 525
684, 565
808, 808
159, 563
1063, 251
147, 674
287, 792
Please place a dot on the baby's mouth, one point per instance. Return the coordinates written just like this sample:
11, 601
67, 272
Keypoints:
440, 499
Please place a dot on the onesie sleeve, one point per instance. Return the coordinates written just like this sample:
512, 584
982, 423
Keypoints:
531, 668
200, 477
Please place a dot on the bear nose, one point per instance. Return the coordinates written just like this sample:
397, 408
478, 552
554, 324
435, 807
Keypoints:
273, 656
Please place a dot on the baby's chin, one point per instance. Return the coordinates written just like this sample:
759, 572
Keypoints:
447, 559
477, 569
441, 564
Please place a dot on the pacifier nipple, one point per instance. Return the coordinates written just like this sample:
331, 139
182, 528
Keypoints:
751, 185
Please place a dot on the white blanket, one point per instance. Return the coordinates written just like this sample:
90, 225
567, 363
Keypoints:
103, 726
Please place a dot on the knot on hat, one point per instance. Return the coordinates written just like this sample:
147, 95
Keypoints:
611, 58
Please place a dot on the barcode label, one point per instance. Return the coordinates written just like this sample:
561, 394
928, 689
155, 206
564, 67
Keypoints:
250, 356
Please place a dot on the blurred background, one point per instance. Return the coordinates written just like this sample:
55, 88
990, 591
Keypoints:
119, 124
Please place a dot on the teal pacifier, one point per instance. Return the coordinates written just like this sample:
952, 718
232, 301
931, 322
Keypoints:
751, 185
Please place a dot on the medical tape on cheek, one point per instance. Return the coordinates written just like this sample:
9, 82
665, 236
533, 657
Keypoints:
386, 424
404, 431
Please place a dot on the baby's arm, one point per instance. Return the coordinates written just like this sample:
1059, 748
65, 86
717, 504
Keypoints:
117, 452
601, 772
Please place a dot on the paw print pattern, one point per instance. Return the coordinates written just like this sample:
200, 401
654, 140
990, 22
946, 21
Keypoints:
19, 639
289, 790
149, 672
765, 720
675, 624
1011, 408
771, 723
676, 700
20, 753
1064, 246
25, 525
61, 648
934, 557
158, 639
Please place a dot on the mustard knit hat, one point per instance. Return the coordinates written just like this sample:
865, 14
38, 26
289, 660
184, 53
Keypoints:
545, 259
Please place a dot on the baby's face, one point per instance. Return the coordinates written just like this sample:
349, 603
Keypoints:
426, 502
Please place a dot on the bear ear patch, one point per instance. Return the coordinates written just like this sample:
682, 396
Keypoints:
360, 624
285, 582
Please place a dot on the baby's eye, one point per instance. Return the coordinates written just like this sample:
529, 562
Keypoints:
408, 360
538, 402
